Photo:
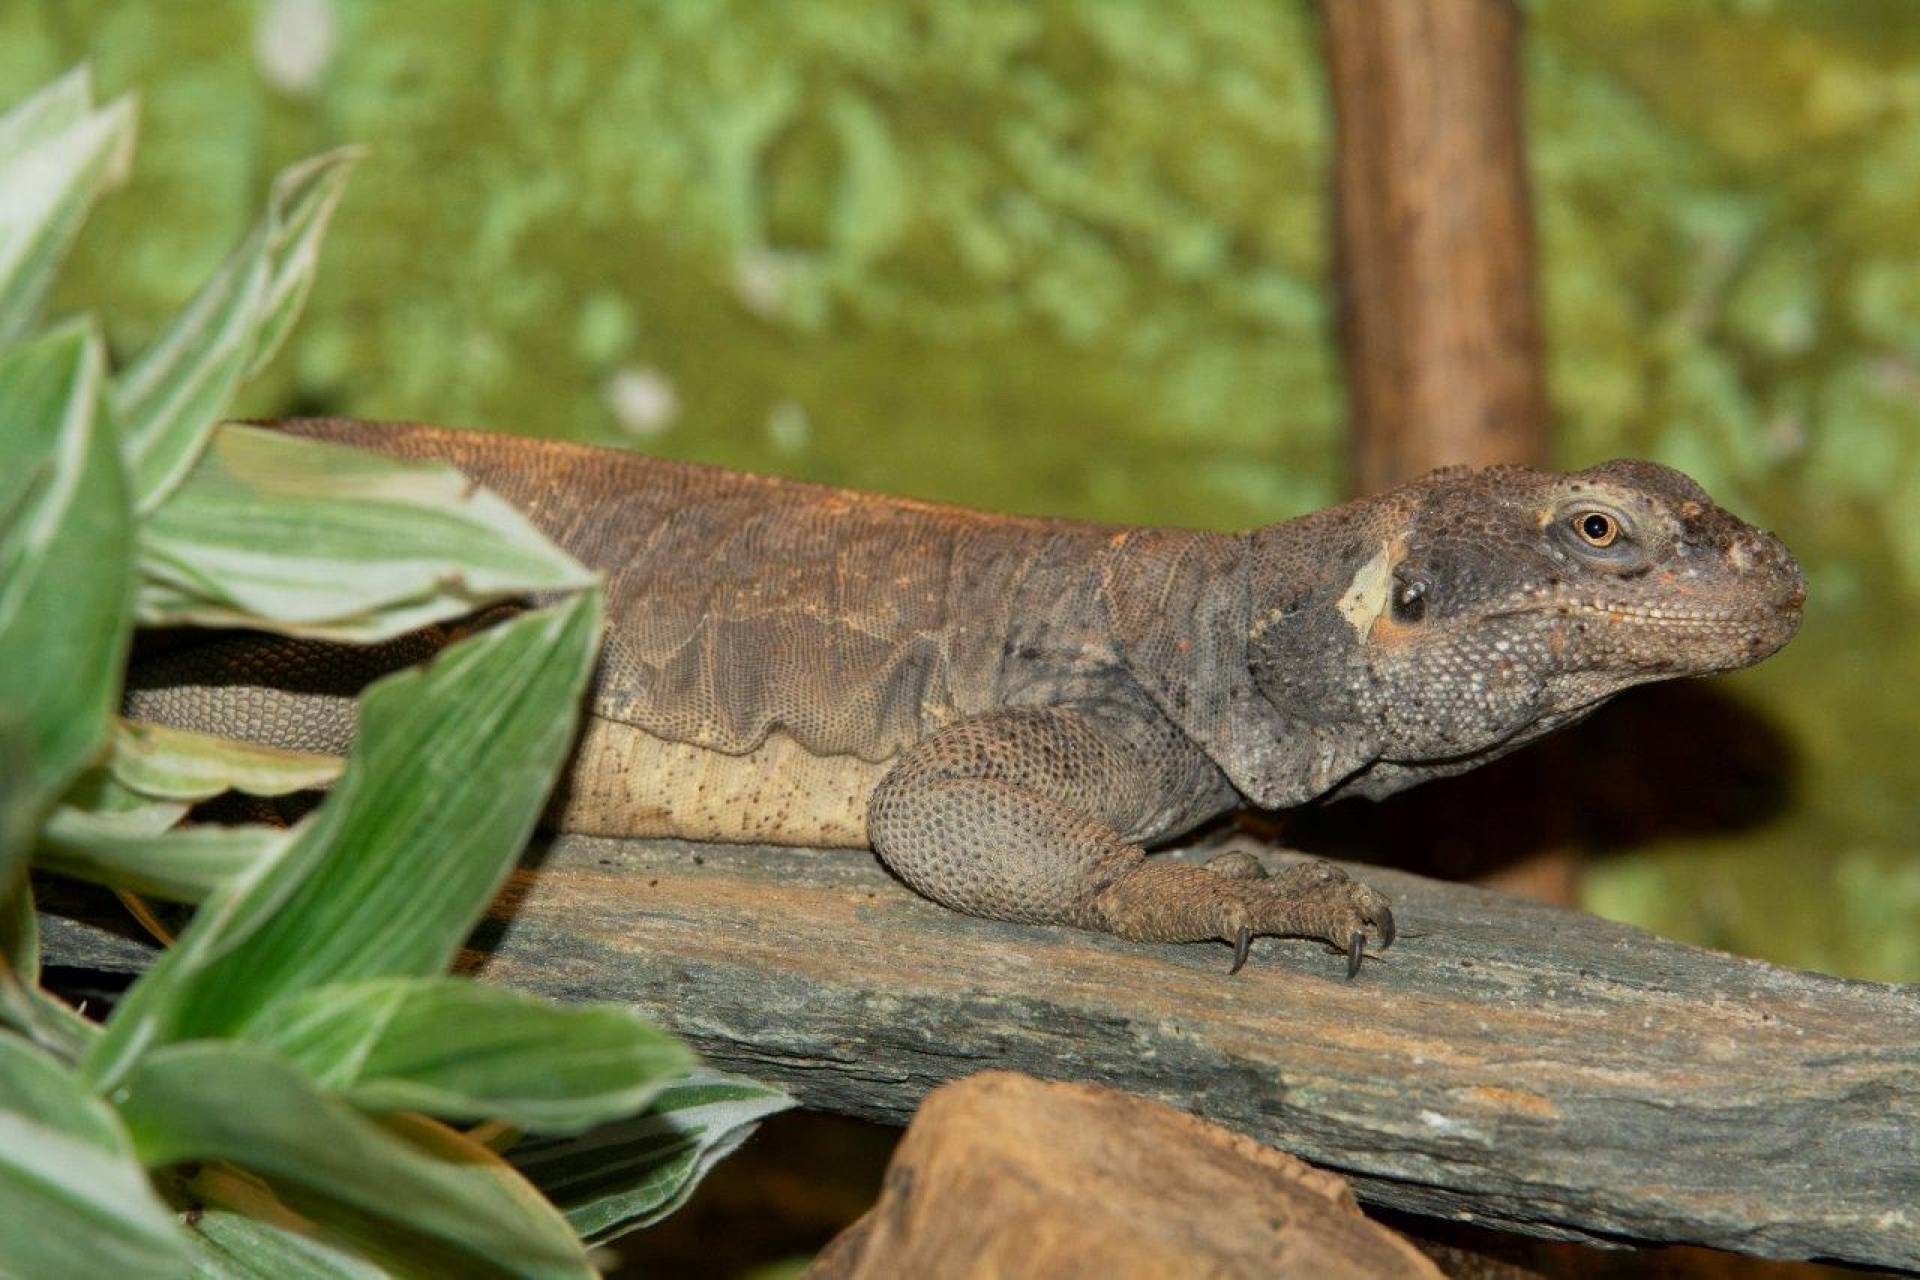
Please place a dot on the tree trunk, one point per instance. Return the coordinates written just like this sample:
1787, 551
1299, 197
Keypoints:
1434, 236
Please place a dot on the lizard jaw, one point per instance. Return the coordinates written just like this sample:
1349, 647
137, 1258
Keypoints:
1716, 639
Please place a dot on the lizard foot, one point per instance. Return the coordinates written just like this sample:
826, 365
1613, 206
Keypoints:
1311, 900
1160, 900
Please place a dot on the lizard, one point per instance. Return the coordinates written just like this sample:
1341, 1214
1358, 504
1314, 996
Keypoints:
1013, 710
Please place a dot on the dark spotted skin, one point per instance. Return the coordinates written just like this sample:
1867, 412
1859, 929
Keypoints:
1011, 710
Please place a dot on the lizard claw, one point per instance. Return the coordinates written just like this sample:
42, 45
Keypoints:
1308, 900
1241, 941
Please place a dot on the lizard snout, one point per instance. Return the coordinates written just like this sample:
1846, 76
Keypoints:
1766, 573
1761, 556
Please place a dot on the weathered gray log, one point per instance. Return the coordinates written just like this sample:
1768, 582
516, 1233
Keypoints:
1505, 1063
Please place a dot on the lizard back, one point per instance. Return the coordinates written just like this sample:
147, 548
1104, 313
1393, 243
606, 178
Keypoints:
802, 634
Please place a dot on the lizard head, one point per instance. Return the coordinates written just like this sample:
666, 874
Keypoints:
1468, 611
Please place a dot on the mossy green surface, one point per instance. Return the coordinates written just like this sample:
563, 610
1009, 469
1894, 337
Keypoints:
1070, 257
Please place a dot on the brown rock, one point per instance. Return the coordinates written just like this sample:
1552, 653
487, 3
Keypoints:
1004, 1175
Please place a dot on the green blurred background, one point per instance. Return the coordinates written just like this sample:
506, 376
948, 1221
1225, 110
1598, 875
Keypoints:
1071, 257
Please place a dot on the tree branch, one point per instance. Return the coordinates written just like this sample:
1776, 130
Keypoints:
1505, 1063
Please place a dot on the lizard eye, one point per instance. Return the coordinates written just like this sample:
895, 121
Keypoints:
1596, 528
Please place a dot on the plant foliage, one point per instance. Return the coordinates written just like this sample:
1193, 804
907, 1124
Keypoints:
272, 1097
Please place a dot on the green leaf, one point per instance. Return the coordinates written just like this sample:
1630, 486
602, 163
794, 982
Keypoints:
57, 107
175, 764
247, 1105
168, 402
76, 1202
19, 934
625, 1176
302, 201
65, 544
246, 1232
17, 815
394, 869
99, 791
185, 865
455, 1048
35, 1085
44, 1019
233, 1246
308, 538
56, 155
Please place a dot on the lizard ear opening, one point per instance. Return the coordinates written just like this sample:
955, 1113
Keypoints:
1410, 591
1179, 610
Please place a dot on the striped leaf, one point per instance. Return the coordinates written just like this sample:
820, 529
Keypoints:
457, 1049
313, 539
67, 1168
625, 1176
45, 1020
234, 1246
65, 543
298, 209
450, 1204
394, 869
57, 154
47, 113
169, 401
175, 764
121, 851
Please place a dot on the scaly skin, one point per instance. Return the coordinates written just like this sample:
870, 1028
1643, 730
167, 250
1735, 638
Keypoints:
1011, 710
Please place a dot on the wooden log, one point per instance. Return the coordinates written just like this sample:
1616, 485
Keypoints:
1506, 1063
1004, 1175
1434, 239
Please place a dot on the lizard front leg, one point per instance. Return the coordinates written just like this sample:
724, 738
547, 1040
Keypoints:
1038, 815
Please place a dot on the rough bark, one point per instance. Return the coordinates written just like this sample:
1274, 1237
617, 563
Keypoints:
1506, 1063
1434, 236
1002, 1174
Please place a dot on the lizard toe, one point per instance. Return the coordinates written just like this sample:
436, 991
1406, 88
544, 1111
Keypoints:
1236, 864
1321, 873
1346, 912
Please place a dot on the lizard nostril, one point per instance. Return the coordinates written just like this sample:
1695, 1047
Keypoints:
1788, 569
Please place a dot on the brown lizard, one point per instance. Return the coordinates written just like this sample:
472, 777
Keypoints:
1011, 710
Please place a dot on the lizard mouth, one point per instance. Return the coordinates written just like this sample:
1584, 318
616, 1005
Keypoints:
1656, 615
1676, 617
1700, 640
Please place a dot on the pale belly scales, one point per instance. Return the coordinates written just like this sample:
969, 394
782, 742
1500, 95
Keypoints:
628, 782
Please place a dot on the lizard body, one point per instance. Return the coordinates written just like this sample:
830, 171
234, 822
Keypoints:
1010, 709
